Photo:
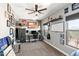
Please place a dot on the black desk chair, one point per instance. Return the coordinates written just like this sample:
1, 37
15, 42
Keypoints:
28, 38
35, 36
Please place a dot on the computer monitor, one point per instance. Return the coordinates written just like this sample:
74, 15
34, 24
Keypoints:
33, 32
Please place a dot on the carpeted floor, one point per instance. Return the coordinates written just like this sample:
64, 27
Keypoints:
38, 48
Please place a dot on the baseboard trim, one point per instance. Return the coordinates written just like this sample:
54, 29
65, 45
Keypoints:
56, 48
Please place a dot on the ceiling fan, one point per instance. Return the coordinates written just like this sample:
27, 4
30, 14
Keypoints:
36, 10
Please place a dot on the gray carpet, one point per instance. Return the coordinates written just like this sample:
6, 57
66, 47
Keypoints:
37, 48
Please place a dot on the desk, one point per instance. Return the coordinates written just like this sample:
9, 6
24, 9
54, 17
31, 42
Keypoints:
30, 37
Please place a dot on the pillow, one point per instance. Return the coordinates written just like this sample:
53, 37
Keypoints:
4, 43
75, 53
8, 40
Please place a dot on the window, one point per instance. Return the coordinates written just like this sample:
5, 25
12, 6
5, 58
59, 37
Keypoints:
45, 29
73, 33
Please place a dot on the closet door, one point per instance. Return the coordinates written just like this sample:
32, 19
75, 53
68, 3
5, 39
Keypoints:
23, 36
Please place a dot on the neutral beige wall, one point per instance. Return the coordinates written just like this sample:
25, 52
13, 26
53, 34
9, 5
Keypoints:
4, 30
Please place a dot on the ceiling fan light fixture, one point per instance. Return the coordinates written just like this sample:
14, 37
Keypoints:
36, 13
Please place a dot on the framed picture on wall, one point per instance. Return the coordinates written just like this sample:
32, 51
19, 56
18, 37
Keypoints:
66, 10
11, 31
9, 17
75, 6
8, 23
8, 7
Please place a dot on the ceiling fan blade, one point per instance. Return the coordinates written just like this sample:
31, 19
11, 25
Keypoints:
36, 7
29, 9
42, 9
31, 12
40, 12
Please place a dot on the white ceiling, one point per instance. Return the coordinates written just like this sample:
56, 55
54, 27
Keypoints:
19, 9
